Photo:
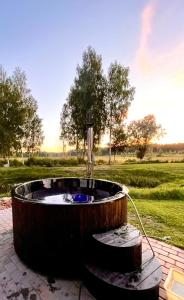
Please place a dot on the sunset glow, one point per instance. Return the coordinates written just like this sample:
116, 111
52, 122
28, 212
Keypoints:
47, 40
159, 77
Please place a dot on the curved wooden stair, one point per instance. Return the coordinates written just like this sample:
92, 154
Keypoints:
116, 268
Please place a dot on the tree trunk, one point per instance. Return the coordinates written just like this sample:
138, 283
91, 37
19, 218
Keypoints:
22, 155
114, 155
63, 147
110, 152
84, 149
8, 162
29, 153
77, 147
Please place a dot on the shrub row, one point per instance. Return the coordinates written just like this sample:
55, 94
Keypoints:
44, 162
135, 181
47, 162
142, 182
158, 194
13, 163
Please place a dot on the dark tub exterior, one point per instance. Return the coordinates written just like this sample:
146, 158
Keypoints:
53, 236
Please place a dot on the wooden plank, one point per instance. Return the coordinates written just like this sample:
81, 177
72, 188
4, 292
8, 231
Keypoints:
146, 256
150, 280
123, 238
114, 233
132, 280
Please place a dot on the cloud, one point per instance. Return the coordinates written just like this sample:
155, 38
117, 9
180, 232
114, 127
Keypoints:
146, 25
167, 65
159, 78
142, 55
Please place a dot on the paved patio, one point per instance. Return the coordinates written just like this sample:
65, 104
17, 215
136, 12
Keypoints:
17, 281
169, 256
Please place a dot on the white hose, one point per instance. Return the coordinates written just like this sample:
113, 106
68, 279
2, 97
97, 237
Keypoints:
142, 226
125, 192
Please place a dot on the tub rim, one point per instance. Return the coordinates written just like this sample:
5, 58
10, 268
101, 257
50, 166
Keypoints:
120, 194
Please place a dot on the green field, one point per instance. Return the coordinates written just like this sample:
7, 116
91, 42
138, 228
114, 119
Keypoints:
157, 188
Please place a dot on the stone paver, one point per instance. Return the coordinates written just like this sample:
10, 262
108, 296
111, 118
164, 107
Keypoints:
18, 282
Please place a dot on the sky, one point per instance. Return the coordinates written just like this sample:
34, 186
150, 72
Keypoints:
46, 39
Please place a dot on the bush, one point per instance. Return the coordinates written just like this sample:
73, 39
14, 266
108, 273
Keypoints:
49, 162
5, 188
130, 161
177, 161
100, 162
81, 160
15, 163
153, 161
142, 182
158, 194
160, 155
30, 162
141, 153
2, 162
174, 194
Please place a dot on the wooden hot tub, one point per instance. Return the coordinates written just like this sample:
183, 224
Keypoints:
52, 218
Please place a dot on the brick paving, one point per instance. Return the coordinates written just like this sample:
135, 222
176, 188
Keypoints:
169, 256
18, 282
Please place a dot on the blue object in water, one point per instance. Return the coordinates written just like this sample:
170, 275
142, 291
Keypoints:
81, 198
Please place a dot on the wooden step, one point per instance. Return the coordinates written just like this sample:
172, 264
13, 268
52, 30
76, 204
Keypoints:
142, 284
119, 249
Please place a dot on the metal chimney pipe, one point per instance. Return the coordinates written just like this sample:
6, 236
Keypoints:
89, 171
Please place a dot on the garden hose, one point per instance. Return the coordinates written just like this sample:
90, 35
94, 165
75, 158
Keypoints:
140, 221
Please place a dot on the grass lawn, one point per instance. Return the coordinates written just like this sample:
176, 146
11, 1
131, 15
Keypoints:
163, 219
158, 191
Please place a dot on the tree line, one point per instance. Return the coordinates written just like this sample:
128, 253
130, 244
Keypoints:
20, 125
103, 101
174, 147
